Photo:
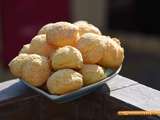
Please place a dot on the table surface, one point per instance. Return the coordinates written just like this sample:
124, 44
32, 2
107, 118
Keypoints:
17, 101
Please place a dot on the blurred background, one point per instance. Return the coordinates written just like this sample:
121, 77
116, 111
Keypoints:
134, 22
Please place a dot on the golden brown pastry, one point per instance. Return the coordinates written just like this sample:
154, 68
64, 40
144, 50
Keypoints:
113, 54
67, 57
92, 47
85, 27
92, 73
62, 33
17, 64
62, 49
116, 40
45, 28
64, 81
36, 70
25, 49
40, 46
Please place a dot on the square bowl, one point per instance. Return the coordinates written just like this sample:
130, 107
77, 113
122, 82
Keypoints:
77, 93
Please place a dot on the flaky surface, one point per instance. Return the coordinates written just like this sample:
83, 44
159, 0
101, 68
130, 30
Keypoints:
64, 81
25, 49
92, 47
62, 33
53, 57
85, 27
116, 40
67, 57
45, 28
113, 54
92, 73
17, 64
40, 46
36, 70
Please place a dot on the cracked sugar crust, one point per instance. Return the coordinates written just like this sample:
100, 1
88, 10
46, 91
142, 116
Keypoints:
17, 64
39, 45
67, 57
63, 33
92, 73
45, 28
92, 47
64, 81
113, 54
36, 70
25, 49
85, 27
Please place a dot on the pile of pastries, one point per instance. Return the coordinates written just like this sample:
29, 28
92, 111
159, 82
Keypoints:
66, 56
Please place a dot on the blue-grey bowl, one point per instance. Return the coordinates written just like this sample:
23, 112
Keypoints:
77, 93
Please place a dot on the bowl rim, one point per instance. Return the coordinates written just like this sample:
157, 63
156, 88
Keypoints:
70, 94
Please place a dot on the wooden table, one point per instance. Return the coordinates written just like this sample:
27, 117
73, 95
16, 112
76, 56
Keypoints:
18, 102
